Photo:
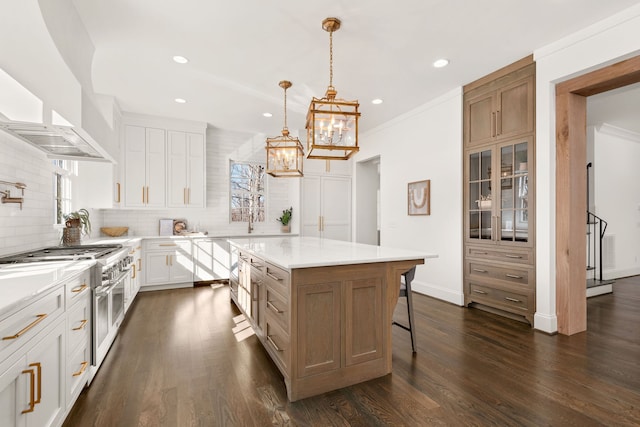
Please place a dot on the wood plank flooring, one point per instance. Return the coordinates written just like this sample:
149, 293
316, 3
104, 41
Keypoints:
176, 362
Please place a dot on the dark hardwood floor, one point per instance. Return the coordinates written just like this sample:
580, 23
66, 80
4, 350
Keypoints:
177, 362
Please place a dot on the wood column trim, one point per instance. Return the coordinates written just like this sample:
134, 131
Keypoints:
571, 160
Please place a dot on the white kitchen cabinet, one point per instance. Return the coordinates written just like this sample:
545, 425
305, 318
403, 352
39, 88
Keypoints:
144, 167
32, 386
133, 282
185, 169
168, 262
326, 207
210, 259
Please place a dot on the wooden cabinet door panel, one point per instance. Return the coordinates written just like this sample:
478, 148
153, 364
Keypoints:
515, 109
480, 119
319, 336
363, 320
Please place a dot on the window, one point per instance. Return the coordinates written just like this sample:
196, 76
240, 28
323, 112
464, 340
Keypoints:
62, 172
247, 192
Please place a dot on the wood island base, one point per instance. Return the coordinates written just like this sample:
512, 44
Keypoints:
324, 327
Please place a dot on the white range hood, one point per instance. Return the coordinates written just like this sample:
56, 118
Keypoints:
59, 142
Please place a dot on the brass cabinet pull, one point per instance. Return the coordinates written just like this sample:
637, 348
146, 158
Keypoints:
166, 260
80, 288
118, 192
512, 299
478, 291
167, 244
273, 343
32, 391
170, 260
139, 264
133, 273
40, 318
274, 308
479, 270
147, 195
498, 123
513, 276
83, 367
319, 223
494, 125
82, 325
143, 195
39, 375
273, 276
513, 256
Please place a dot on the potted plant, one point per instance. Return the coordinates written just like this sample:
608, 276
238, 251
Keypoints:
285, 219
77, 223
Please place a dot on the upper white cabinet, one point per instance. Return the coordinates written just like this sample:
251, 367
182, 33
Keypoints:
185, 169
163, 163
144, 167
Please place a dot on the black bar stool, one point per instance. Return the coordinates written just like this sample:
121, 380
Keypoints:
405, 291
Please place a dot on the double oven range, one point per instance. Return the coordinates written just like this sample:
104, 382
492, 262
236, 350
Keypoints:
108, 277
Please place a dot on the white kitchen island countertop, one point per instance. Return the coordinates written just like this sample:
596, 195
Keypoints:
19, 283
304, 252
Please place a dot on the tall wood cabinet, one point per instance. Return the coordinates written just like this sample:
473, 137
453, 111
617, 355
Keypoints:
499, 192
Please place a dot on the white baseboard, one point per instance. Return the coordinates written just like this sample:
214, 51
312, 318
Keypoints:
616, 274
599, 290
447, 295
546, 323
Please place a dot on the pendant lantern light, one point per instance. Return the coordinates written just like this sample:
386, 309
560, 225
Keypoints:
332, 123
284, 153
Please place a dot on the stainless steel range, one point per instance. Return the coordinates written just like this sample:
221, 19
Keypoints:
108, 276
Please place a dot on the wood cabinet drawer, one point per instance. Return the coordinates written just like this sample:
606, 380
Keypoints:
79, 324
21, 326
78, 288
507, 300
276, 341
504, 255
479, 270
278, 308
278, 278
252, 260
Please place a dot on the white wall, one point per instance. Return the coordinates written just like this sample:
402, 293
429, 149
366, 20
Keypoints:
425, 143
367, 190
32, 227
617, 197
601, 44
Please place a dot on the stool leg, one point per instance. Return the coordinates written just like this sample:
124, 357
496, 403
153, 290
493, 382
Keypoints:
411, 319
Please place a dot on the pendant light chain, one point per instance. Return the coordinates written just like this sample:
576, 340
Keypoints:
285, 108
331, 59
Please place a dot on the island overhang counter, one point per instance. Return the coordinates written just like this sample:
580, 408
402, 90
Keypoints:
321, 308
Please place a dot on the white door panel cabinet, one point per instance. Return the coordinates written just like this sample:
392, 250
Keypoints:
326, 207
210, 259
185, 169
168, 262
144, 167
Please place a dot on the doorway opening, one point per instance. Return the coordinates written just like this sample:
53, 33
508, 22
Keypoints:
368, 201
571, 176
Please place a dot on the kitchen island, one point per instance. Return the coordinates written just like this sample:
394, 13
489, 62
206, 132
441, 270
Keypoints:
322, 308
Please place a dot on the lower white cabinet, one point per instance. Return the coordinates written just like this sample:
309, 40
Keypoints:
32, 381
210, 259
168, 262
133, 282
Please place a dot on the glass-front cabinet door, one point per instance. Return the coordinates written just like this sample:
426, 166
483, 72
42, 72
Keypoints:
513, 209
479, 199
498, 203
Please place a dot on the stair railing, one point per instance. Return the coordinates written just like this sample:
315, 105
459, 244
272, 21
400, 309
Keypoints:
595, 224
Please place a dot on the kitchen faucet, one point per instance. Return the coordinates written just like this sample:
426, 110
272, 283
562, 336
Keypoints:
250, 222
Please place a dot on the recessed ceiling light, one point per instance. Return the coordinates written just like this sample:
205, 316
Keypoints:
267, 114
377, 101
180, 100
180, 59
441, 63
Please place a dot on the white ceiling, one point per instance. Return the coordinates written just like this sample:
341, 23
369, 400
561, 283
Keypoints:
240, 50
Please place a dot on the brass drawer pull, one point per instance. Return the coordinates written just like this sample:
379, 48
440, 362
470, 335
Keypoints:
274, 308
273, 276
478, 291
512, 299
40, 318
273, 343
83, 367
167, 244
82, 325
513, 256
513, 276
479, 270
80, 288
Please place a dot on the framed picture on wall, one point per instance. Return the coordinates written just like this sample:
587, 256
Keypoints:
418, 197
